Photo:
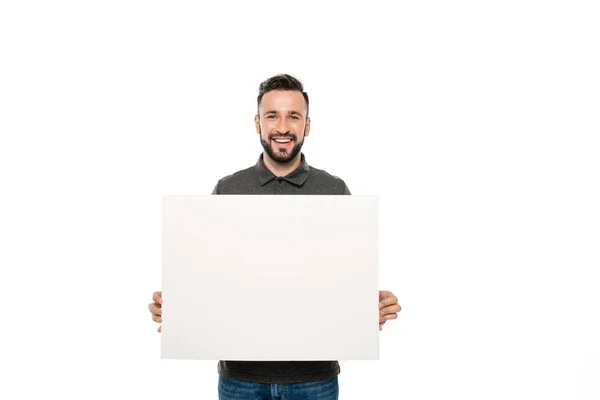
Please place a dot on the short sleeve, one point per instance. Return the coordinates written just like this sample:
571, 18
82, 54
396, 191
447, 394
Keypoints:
346, 190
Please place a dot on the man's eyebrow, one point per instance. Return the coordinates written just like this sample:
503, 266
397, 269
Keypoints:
289, 112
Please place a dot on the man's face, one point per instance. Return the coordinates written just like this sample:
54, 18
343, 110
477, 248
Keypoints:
282, 124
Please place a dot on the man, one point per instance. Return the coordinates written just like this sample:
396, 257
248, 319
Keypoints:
282, 124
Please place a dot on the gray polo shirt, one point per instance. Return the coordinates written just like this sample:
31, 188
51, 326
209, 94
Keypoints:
258, 179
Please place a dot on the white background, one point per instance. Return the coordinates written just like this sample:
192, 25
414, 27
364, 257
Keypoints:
476, 122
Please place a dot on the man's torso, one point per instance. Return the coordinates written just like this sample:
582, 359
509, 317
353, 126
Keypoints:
305, 180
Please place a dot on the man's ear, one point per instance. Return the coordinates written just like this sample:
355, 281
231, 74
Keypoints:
307, 127
257, 123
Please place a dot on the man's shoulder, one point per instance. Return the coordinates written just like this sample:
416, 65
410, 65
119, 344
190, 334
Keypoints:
328, 183
243, 174
321, 174
237, 182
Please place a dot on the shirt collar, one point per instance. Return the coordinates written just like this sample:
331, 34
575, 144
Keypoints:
297, 176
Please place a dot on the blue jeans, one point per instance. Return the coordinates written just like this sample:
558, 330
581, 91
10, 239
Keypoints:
232, 389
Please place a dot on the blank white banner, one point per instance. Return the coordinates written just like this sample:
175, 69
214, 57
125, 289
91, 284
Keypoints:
270, 277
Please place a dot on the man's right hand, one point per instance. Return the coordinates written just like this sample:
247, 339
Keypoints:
156, 308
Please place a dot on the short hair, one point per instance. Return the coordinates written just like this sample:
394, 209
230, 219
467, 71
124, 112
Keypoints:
281, 82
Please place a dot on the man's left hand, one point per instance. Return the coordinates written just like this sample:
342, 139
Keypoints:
388, 307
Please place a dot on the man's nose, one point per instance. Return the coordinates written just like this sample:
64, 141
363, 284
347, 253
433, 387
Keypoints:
282, 126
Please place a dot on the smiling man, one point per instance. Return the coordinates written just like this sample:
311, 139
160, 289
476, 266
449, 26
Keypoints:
282, 123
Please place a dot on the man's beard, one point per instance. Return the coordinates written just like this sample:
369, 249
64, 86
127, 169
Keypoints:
280, 157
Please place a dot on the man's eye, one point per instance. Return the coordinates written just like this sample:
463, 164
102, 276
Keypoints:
295, 117
270, 116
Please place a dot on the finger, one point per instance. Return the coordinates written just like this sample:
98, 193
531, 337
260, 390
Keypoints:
388, 301
159, 328
395, 308
384, 294
388, 317
155, 309
384, 318
157, 297
157, 318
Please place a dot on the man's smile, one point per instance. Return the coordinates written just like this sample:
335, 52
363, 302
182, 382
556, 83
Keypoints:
283, 141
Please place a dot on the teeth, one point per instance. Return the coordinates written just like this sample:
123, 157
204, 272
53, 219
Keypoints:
282, 140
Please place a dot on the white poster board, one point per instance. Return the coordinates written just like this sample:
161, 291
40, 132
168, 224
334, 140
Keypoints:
271, 278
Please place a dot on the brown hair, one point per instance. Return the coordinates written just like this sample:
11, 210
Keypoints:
281, 82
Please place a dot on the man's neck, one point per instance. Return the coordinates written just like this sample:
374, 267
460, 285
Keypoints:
279, 169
